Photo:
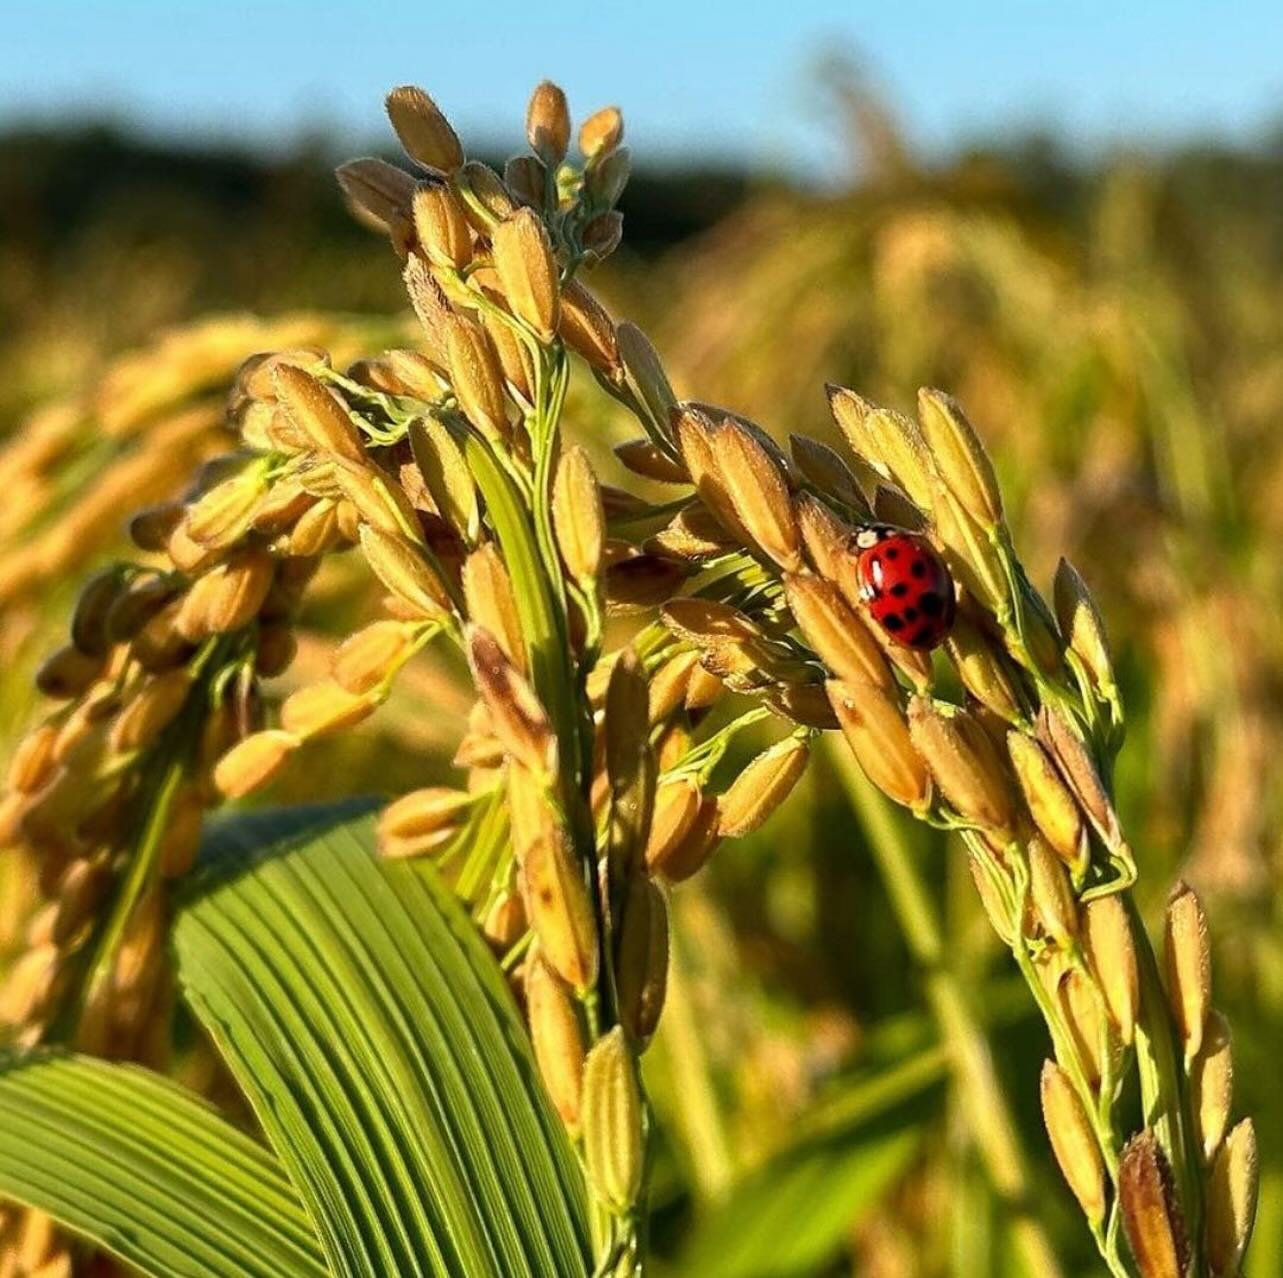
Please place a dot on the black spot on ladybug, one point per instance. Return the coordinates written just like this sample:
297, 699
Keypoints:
931, 604
910, 614
893, 621
921, 636
892, 553
918, 568
899, 590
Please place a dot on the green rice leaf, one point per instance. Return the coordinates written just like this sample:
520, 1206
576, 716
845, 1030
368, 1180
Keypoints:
148, 1172
376, 1040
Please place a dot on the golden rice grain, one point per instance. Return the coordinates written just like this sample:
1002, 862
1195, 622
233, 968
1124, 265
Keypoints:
528, 273
424, 132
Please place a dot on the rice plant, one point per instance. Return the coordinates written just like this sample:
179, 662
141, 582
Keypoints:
359, 977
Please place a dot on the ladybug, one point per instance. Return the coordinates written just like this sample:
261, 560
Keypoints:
905, 584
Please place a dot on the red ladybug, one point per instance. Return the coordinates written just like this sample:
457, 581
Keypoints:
908, 589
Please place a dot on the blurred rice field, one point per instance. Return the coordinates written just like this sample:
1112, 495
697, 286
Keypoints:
1118, 338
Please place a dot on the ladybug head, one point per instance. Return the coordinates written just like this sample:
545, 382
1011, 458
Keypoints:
906, 586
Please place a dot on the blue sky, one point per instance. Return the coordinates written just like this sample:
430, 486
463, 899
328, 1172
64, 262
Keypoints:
693, 76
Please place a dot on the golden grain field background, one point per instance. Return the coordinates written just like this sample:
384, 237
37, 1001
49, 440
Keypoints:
1116, 334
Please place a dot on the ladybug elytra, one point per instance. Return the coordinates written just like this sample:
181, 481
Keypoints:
906, 585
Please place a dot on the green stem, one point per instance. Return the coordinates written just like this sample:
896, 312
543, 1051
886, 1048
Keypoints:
140, 873
1099, 1109
171, 755
550, 392
541, 622
661, 511
618, 1244
991, 1121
